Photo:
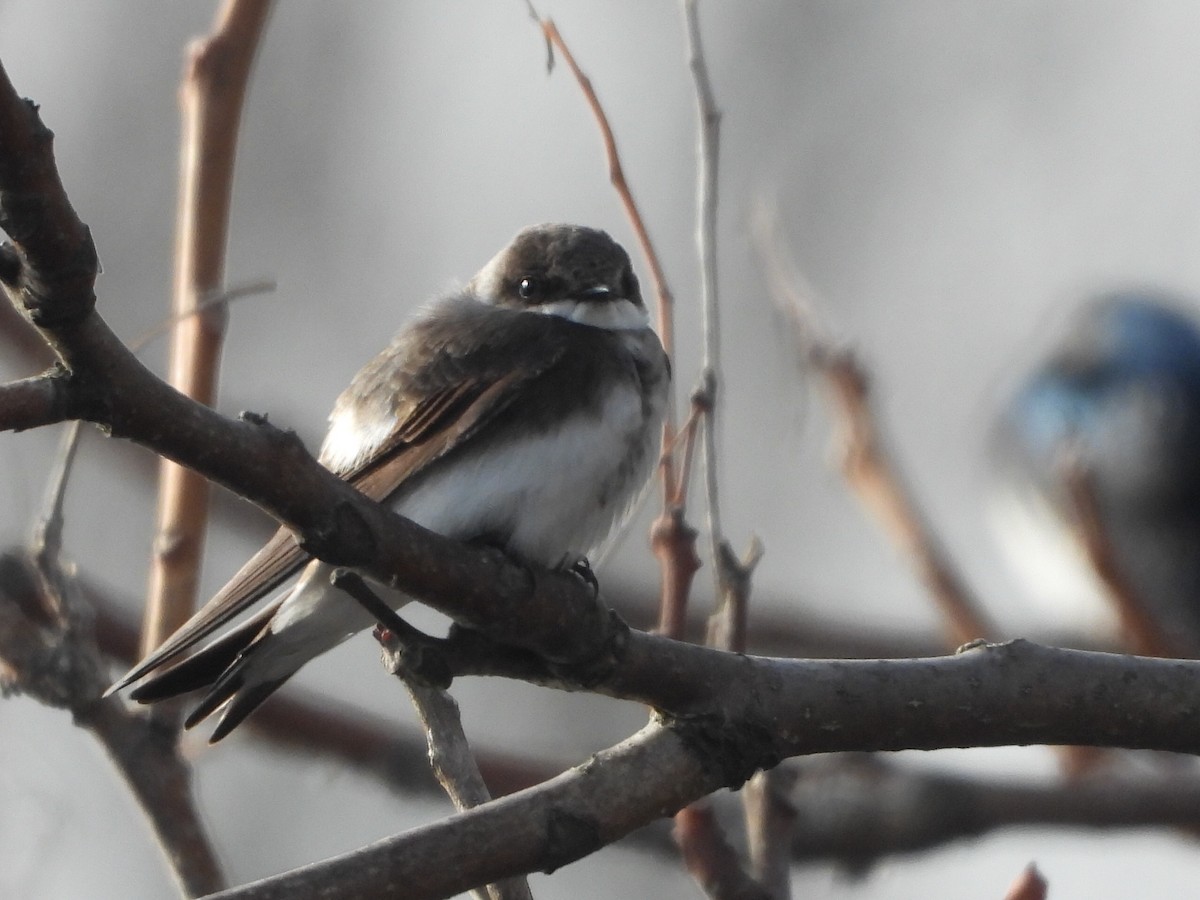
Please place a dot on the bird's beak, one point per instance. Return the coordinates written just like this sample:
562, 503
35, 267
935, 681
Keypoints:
599, 292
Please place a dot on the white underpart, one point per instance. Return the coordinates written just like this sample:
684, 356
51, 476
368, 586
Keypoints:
313, 619
350, 440
1050, 563
543, 490
614, 315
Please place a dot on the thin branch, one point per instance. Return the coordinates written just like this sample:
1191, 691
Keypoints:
213, 300
981, 697
673, 543
52, 657
672, 539
666, 302
1030, 885
708, 156
46, 540
1145, 636
450, 753
455, 768
34, 402
770, 817
710, 859
214, 87
866, 463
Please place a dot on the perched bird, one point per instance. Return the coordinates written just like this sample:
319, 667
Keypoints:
524, 411
1119, 398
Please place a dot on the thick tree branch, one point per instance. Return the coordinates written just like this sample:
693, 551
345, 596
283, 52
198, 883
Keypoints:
756, 712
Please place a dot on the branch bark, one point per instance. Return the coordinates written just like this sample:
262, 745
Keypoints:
990, 695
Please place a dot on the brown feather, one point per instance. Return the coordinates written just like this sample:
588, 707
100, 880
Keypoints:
435, 408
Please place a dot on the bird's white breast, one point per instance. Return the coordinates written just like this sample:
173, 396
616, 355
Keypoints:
555, 494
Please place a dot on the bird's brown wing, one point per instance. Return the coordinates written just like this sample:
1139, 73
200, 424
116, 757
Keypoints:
436, 409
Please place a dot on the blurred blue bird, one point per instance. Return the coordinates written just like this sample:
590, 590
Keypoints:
1121, 395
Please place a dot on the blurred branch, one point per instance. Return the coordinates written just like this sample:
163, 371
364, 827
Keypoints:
51, 657
871, 471
49, 652
1030, 885
212, 95
857, 809
866, 463
710, 859
770, 817
1143, 633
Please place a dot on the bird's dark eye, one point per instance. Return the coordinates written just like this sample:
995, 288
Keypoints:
629, 285
540, 287
529, 288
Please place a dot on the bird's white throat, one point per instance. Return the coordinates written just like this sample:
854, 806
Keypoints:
615, 315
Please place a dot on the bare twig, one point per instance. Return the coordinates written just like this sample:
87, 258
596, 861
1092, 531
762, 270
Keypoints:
666, 303
52, 657
46, 540
213, 300
708, 156
1145, 636
672, 540
449, 751
1030, 885
455, 768
710, 859
770, 818
214, 87
866, 463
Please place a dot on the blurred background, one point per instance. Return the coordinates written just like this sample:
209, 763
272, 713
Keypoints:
951, 178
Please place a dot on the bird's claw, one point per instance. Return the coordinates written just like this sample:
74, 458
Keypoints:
582, 569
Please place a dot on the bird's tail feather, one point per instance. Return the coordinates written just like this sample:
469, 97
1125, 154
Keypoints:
219, 667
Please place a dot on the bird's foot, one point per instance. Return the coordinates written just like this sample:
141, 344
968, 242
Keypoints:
582, 569
408, 651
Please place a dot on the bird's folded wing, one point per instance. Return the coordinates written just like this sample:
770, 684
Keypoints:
279, 558
430, 421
